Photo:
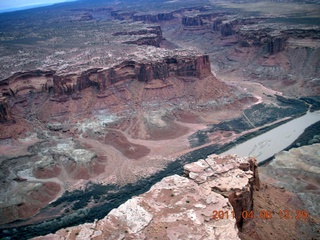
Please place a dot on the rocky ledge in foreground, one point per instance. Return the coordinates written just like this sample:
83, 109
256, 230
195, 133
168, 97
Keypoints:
182, 207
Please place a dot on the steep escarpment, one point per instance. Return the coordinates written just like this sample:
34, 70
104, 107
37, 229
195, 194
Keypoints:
145, 17
42, 81
274, 40
154, 37
158, 17
5, 114
131, 81
183, 207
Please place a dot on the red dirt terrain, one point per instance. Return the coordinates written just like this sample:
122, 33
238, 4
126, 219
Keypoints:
285, 219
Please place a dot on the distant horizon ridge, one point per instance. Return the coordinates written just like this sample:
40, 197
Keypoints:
30, 6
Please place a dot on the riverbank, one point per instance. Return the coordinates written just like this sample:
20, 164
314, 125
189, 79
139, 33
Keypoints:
256, 116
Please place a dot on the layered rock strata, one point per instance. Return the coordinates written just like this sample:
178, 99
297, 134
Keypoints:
158, 17
182, 207
44, 81
170, 80
5, 114
150, 17
273, 38
154, 39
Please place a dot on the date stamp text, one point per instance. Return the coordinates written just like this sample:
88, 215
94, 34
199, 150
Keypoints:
263, 214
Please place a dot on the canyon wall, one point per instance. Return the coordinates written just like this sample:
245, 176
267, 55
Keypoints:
5, 114
205, 204
154, 39
158, 17
44, 81
150, 18
172, 79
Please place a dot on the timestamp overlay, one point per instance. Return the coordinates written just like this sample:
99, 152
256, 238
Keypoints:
263, 214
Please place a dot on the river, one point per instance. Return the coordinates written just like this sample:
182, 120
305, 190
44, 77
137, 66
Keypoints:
268, 144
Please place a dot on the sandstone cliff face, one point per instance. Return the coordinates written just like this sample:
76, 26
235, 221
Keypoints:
154, 40
154, 17
172, 79
226, 29
121, 15
150, 30
233, 177
192, 66
151, 41
192, 21
5, 114
182, 208
198, 66
274, 41
200, 19
149, 18
275, 44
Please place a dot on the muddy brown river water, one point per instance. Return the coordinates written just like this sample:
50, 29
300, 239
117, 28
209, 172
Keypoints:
268, 144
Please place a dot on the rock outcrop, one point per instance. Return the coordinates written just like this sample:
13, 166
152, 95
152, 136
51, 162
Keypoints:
273, 40
172, 79
192, 21
5, 115
226, 29
42, 81
233, 177
192, 207
200, 18
122, 15
158, 17
275, 44
152, 36
263, 38
149, 18
149, 30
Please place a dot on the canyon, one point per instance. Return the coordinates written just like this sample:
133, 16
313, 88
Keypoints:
108, 102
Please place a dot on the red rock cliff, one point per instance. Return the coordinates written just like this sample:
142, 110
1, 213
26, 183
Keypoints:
178, 66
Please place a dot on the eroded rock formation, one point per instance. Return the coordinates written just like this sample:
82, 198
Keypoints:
233, 177
182, 207
151, 18
192, 21
42, 81
5, 115
158, 17
122, 15
126, 86
151, 36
